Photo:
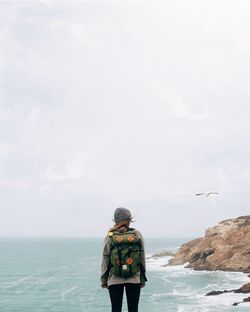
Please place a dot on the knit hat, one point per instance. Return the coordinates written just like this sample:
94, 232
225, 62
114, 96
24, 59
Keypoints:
122, 214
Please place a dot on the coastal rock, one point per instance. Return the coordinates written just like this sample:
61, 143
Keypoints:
216, 292
243, 290
224, 247
244, 300
164, 253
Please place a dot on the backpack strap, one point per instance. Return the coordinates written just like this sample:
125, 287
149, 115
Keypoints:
120, 260
129, 255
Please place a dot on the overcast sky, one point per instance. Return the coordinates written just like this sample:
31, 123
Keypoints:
134, 104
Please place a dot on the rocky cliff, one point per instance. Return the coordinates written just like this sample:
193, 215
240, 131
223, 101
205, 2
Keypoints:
225, 247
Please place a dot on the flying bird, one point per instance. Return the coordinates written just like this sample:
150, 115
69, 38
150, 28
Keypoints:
206, 194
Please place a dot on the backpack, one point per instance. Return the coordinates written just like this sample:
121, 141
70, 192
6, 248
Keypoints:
124, 253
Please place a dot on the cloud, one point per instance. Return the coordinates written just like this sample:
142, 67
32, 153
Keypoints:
106, 104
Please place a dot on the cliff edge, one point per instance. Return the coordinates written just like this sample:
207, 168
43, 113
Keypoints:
225, 247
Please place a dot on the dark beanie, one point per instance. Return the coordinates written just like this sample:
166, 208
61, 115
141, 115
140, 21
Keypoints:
122, 214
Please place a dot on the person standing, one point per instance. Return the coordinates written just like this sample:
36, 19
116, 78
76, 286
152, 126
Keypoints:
123, 262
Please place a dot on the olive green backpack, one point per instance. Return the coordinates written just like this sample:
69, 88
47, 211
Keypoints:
124, 253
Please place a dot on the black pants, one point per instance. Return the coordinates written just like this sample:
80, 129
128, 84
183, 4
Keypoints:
132, 294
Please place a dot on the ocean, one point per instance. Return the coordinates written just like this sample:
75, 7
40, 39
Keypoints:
62, 275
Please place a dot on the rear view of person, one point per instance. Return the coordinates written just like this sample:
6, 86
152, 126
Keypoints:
123, 262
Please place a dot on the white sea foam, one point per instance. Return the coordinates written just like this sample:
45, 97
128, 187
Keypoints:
191, 308
66, 292
45, 281
16, 282
187, 300
157, 263
224, 301
160, 264
23, 289
187, 287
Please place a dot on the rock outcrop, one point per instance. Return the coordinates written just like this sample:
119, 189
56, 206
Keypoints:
225, 247
243, 290
164, 253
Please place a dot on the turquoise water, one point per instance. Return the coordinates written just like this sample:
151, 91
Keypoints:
62, 275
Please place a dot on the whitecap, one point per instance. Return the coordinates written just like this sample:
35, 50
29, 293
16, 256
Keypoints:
66, 292
226, 299
157, 263
16, 282
45, 281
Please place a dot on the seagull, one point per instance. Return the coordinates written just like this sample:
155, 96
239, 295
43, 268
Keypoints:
206, 194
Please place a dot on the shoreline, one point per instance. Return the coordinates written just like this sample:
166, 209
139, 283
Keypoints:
160, 261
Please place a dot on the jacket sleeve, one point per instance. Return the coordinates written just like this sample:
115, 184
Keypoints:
105, 267
143, 278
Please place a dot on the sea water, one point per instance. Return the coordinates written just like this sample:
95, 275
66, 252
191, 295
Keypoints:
62, 275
